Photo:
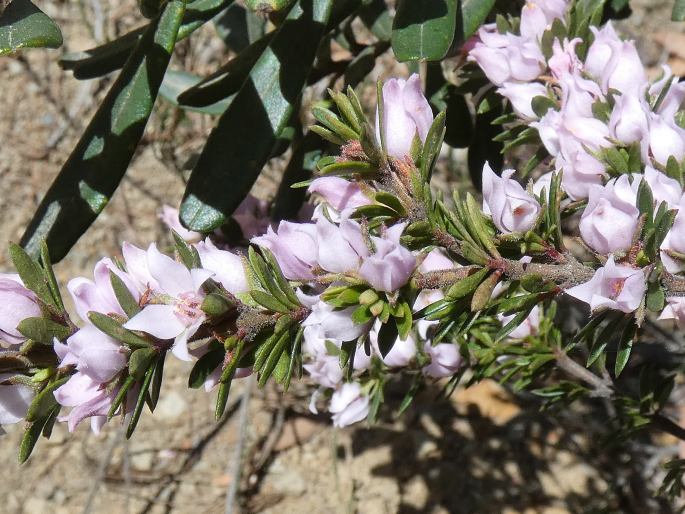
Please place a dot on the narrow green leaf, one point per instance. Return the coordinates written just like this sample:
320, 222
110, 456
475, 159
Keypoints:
140, 403
140, 361
423, 29
625, 347
23, 25
121, 395
247, 132
94, 169
46, 262
186, 252
31, 274
114, 329
126, 300
31, 435
272, 360
157, 376
432, 146
467, 285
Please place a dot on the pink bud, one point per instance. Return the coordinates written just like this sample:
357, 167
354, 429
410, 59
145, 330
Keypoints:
339, 193
511, 207
664, 188
614, 286
666, 139
629, 121
406, 113
94, 354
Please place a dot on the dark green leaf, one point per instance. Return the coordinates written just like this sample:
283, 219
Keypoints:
432, 146
157, 376
274, 357
247, 132
94, 169
23, 25
227, 80
423, 29
43, 330
387, 335
121, 396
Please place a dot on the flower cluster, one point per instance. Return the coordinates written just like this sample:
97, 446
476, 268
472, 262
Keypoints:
383, 277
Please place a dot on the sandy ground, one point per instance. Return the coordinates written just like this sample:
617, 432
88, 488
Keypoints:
481, 451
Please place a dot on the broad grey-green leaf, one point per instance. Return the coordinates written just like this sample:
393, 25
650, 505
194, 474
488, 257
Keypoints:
23, 25
95, 167
473, 15
248, 131
678, 13
112, 55
176, 82
424, 29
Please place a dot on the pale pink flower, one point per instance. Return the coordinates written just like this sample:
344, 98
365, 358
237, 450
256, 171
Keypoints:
675, 310
171, 219
335, 324
97, 294
521, 95
666, 139
445, 359
528, 327
94, 354
252, 216
349, 405
610, 219
14, 400
87, 398
295, 248
179, 291
16, 304
391, 265
226, 266
675, 241
663, 187
613, 286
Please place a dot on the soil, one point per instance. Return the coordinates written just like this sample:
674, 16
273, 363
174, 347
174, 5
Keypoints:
484, 450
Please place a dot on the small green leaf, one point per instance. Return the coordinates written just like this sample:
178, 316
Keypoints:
31, 274
625, 347
114, 329
467, 285
140, 361
126, 300
43, 330
32, 433
46, 262
23, 25
387, 335
432, 146
140, 402
44, 402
